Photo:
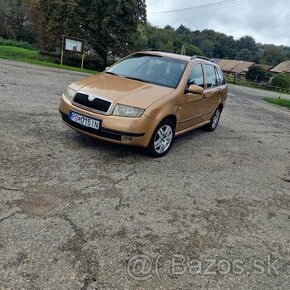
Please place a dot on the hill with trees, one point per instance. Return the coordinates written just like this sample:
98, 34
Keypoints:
115, 28
209, 43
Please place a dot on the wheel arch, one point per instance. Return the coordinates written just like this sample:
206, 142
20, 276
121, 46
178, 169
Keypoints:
221, 105
172, 118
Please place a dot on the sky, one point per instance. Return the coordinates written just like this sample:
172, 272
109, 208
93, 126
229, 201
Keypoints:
268, 21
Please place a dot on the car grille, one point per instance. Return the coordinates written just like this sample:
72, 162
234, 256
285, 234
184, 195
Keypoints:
97, 104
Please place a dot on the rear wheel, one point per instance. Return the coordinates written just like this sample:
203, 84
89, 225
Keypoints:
162, 139
214, 120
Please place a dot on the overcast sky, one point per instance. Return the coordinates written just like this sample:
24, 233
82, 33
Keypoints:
268, 21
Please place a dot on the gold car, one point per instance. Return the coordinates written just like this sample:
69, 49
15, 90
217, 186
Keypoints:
147, 99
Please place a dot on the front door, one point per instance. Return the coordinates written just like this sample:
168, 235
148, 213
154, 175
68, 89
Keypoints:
193, 105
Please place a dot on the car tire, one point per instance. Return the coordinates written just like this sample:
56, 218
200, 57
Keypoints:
162, 139
214, 120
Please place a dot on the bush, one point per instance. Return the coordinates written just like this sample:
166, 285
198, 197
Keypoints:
256, 73
281, 81
11, 42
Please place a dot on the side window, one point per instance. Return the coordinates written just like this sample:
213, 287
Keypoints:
211, 76
220, 76
196, 76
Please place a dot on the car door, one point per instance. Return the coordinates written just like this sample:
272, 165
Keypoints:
213, 91
192, 105
222, 83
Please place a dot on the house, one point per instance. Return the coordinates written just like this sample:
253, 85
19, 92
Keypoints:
283, 67
234, 67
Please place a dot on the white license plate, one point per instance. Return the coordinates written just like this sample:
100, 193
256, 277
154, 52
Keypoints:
84, 120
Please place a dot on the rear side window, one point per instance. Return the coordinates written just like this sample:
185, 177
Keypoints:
220, 77
211, 76
196, 76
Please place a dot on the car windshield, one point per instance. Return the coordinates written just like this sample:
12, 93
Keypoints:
159, 70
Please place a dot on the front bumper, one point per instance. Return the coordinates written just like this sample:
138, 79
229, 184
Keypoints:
116, 129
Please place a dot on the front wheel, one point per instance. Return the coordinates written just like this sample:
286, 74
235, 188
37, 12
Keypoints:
214, 120
162, 139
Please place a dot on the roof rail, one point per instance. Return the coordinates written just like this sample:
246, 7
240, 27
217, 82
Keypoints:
202, 57
154, 49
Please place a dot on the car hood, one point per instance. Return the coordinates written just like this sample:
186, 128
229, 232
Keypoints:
121, 90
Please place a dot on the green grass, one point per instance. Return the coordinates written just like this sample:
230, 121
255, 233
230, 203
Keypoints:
17, 43
32, 56
256, 86
280, 102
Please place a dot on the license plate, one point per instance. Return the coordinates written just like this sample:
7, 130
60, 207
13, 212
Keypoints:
84, 120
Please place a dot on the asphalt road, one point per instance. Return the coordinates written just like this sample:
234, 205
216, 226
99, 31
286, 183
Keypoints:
76, 213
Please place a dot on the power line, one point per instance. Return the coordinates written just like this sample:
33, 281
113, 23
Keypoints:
270, 22
215, 5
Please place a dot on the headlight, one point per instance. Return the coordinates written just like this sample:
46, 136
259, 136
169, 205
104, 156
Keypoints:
127, 111
69, 93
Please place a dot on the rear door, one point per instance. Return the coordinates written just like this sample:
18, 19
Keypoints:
222, 83
213, 90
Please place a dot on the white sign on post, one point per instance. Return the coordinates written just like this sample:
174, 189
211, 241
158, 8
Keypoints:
73, 45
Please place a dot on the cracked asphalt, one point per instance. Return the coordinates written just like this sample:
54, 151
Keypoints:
76, 213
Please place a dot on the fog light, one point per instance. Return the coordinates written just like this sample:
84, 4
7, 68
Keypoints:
127, 139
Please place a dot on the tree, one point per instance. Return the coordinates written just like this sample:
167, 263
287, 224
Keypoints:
182, 30
224, 46
108, 26
244, 54
141, 37
207, 46
193, 50
54, 18
247, 42
273, 55
14, 20
256, 73
161, 39
281, 81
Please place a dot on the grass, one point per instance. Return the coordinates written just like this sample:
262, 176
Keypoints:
32, 56
17, 43
257, 86
280, 102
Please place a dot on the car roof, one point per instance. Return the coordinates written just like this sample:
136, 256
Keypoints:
178, 56
167, 54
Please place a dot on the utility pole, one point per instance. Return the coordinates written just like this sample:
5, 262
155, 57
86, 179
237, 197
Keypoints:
183, 49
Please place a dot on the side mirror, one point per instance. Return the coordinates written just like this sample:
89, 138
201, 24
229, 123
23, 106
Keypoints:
194, 89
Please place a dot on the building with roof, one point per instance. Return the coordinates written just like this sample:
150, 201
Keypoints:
283, 67
234, 67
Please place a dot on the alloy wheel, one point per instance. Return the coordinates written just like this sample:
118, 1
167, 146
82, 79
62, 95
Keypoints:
163, 139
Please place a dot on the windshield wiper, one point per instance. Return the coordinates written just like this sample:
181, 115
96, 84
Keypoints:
135, 79
111, 73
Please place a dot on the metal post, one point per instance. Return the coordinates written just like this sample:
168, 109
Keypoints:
61, 58
83, 58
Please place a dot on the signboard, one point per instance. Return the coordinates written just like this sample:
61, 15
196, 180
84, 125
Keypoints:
74, 45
